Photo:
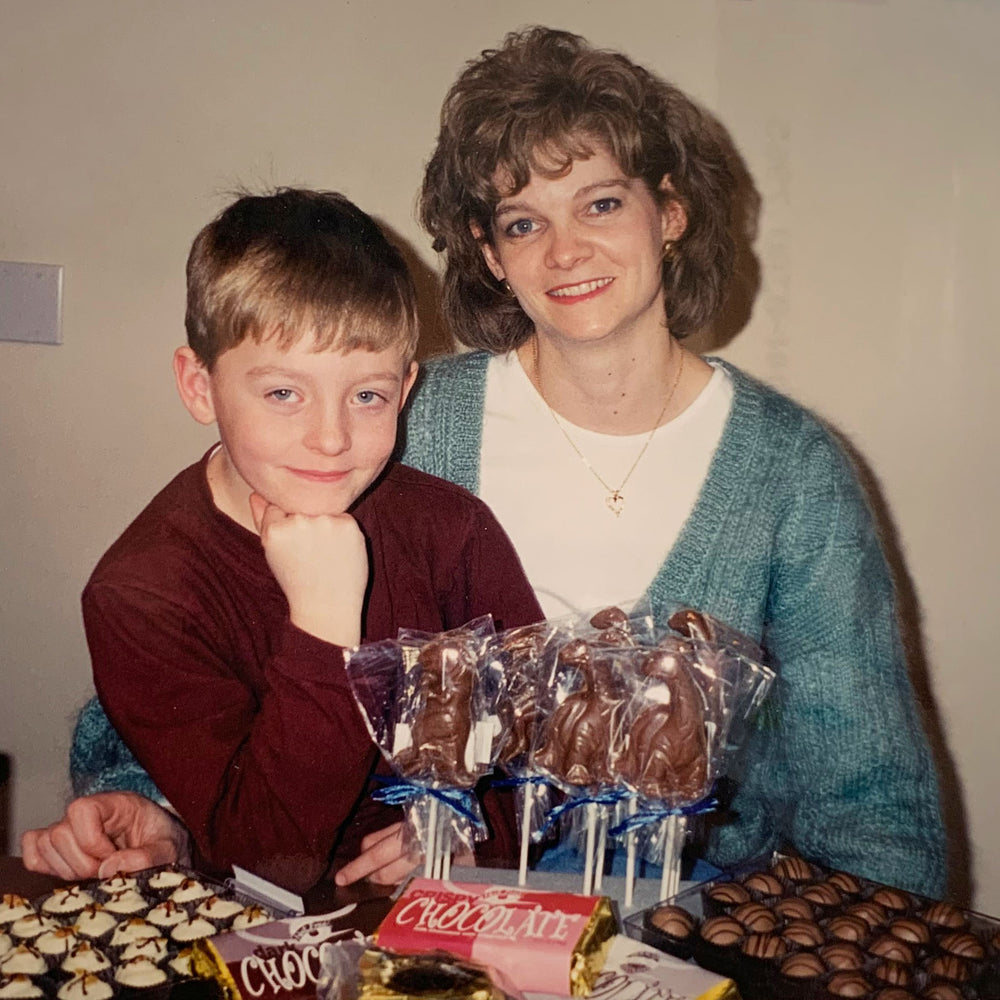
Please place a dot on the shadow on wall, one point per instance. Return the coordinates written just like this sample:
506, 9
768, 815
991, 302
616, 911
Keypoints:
960, 884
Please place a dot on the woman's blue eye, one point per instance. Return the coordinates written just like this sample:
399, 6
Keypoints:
605, 205
520, 228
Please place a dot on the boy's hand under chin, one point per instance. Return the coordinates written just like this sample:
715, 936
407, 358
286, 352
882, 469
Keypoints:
321, 564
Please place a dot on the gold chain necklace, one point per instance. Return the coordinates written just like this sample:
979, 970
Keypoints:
615, 500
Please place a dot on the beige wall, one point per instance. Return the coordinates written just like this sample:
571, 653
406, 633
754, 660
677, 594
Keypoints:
869, 127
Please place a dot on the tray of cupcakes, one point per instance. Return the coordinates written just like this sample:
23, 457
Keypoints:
782, 927
106, 938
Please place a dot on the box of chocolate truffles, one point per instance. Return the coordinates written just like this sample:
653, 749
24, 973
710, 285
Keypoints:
117, 937
784, 928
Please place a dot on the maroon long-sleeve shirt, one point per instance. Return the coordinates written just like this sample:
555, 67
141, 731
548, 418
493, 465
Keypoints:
246, 723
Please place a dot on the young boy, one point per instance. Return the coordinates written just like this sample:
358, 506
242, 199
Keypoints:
217, 623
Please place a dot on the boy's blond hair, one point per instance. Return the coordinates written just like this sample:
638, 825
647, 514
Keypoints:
297, 261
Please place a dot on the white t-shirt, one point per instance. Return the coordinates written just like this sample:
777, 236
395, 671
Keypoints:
576, 553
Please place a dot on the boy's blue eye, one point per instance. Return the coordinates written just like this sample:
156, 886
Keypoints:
282, 395
368, 396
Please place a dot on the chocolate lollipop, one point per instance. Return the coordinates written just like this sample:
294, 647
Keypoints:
577, 746
700, 625
443, 721
520, 650
667, 754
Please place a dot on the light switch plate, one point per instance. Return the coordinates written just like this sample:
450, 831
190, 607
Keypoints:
31, 302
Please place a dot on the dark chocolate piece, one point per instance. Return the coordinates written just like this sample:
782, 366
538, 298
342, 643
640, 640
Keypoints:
963, 944
941, 991
893, 973
728, 894
764, 882
945, 915
910, 929
822, 893
794, 908
846, 928
894, 900
949, 967
845, 882
871, 913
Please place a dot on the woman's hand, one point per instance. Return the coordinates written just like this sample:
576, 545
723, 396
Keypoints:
106, 833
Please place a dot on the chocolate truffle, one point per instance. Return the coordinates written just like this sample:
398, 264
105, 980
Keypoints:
871, 913
803, 965
764, 946
728, 894
848, 984
756, 917
945, 915
845, 882
910, 929
794, 908
793, 869
722, 931
893, 973
891, 947
894, 900
842, 955
804, 933
941, 991
847, 928
821, 893
673, 920
763, 882
949, 967
963, 944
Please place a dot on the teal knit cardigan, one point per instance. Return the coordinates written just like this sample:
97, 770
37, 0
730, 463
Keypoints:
781, 545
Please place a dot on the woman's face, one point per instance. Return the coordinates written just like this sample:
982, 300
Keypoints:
583, 251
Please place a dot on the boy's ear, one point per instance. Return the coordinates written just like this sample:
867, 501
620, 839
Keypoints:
194, 384
408, 379
489, 254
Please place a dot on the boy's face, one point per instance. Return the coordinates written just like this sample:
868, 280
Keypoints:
309, 431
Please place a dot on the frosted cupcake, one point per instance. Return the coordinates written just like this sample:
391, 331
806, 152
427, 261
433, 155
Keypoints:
68, 899
31, 925
219, 909
84, 957
190, 891
192, 930
126, 901
87, 986
132, 930
57, 941
94, 921
13, 908
166, 878
117, 883
140, 973
19, 988
167, 914
23, 961
182, 963
153, 948
251, 916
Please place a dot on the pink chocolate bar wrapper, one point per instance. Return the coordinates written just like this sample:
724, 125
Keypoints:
544, 942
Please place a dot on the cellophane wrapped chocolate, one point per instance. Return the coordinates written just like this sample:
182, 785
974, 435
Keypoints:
430, 702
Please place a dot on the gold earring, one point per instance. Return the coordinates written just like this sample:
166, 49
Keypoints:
669, 251
507, 290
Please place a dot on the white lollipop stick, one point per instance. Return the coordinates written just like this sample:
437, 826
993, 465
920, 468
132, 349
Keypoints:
669, 833
602, 846
588, 864
430, 848
446, 845
630, 854
528, 805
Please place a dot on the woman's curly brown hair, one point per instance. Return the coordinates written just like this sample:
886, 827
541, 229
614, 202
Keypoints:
547, 95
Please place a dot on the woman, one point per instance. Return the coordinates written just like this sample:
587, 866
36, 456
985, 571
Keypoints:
584, 207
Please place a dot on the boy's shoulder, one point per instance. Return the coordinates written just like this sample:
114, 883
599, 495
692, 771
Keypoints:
177, 534
416, 491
